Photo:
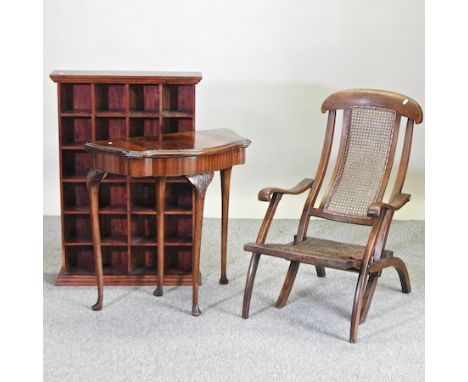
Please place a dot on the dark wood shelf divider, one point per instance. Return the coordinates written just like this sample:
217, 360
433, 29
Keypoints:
96, 105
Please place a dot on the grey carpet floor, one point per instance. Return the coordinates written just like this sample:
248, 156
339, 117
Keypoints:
138, 337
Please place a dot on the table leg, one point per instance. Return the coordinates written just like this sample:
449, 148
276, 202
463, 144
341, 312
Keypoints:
160, 200
200, 184
225, 185
93, 182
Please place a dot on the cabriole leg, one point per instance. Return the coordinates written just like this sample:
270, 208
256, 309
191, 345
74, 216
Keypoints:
93, 182
200, 184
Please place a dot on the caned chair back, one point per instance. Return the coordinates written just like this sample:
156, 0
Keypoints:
371, 122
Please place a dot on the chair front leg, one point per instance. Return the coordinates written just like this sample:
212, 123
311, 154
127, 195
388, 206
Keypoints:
249, 284
262, 234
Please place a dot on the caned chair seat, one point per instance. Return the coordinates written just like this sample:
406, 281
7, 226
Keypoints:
321, 252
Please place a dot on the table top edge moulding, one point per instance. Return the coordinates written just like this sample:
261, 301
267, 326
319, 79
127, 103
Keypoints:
181, 154
191, 143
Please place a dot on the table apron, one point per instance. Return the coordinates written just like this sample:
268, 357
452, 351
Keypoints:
168, 166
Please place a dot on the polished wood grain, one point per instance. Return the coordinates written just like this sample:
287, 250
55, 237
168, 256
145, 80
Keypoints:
374, 257
139, 157
175, 166
185, 144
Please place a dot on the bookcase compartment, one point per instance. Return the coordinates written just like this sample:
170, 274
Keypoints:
143, 197
113, 198
143, 230
75, 198
175, 125
113, 229
178, 229
77, 229
75, 98
110, 128
144, 99
178, 260
75, 164
144, 127
178, 197
110, 98
80, 260
114, 260
143, 260
76, 131
178, 99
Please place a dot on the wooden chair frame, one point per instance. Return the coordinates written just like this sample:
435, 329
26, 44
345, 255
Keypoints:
379, 214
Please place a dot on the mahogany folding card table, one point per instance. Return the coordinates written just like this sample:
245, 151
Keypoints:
194, 155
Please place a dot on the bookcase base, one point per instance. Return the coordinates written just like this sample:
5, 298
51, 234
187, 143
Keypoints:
64, 279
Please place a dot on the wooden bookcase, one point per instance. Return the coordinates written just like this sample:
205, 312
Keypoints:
110, 105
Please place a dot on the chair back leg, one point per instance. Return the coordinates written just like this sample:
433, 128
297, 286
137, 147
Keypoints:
400, 267
288, 284
320, 271
357, 306
368, 295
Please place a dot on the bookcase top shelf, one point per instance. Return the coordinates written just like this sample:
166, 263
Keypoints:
120, 76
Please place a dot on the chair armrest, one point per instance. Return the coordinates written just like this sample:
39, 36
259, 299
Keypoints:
397, 201
265, 194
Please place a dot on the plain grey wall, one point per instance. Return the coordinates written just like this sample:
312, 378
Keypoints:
267, 66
